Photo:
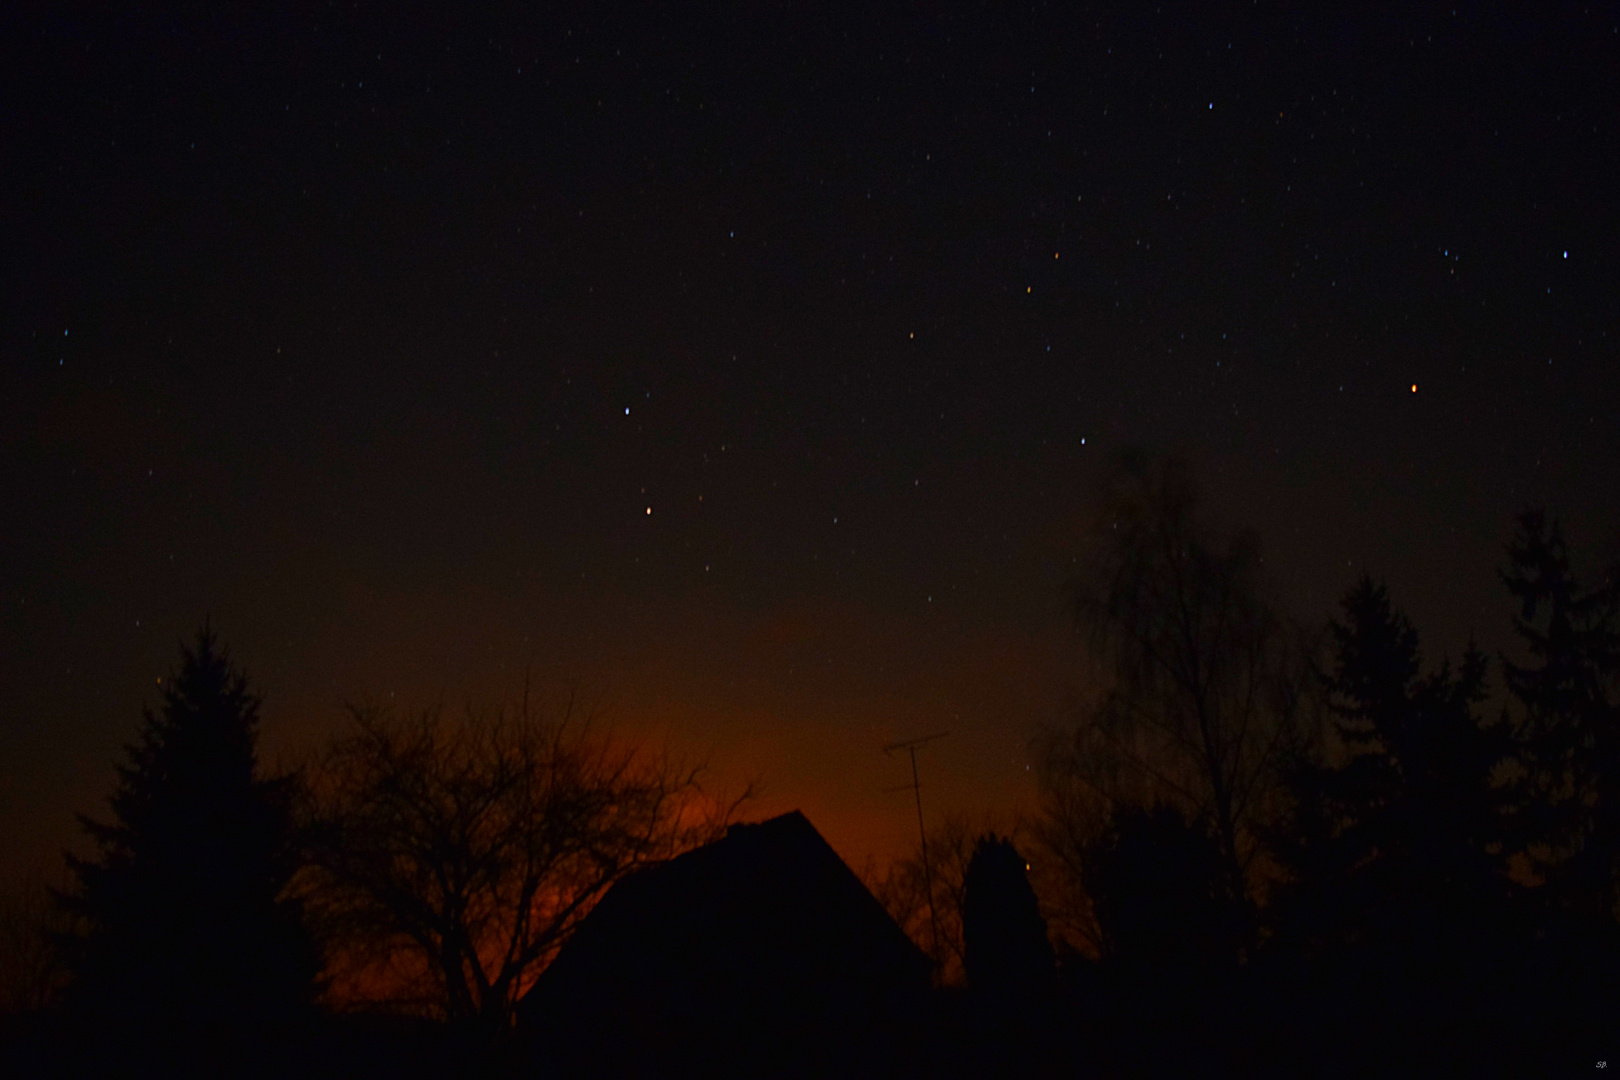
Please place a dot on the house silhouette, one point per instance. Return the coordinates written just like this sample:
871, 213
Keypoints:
759, 954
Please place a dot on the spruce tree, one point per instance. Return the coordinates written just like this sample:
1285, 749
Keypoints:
1407, 827
1424, 817
1400, 898
1569, 723
1567, 787
192, 959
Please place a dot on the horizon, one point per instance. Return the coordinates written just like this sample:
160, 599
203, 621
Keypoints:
756, 372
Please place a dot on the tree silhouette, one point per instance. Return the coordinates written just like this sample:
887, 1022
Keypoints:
1411, 811
452, 858
1202, 680
1169, 935
1566, 793
1161, 897
1005, 947
1569, 733
903, 889
32, 973
192, 959
1396, 850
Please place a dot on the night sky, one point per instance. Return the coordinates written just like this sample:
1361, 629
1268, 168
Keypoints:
756, 371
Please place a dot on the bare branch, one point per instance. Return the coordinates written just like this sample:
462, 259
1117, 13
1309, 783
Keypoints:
452, 857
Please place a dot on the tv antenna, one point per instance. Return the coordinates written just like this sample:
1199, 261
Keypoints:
922, 833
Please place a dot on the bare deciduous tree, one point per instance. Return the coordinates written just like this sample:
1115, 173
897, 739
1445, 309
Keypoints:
451, 857
1200, 680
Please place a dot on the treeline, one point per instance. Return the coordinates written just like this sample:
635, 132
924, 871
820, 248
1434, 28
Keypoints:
1268, 849
1261, 849
377, 912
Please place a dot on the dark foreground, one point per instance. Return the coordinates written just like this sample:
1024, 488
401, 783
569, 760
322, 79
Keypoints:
1095, 1023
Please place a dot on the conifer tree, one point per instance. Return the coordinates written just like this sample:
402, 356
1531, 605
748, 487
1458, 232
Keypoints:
1406, 831
1569, 729
1004, 937
192, 959
1400, 902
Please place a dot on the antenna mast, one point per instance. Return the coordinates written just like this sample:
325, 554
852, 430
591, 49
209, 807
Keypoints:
922, 832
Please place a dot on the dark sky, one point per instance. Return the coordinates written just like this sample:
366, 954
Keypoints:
755, 370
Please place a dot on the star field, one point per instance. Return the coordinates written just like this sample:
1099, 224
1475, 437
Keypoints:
757, 368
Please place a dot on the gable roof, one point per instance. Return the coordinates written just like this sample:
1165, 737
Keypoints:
763, 928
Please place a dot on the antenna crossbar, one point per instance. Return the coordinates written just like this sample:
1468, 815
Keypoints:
910, 746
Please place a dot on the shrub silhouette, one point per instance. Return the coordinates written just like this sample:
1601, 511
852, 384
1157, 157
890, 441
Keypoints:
1158, 885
